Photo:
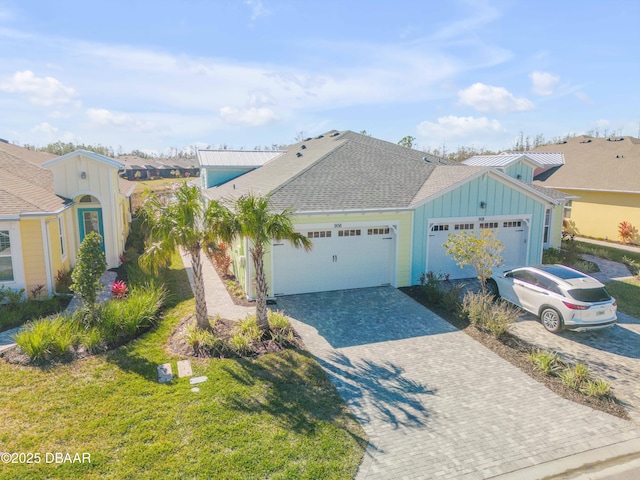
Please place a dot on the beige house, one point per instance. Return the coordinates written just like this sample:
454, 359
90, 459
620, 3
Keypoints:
48, 205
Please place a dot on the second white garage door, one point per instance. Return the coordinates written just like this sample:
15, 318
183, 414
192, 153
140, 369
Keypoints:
341, 258
512, 232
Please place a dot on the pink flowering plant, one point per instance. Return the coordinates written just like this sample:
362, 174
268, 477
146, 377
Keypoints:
119, 289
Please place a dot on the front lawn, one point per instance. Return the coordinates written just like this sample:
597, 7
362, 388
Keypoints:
274, 417
626, 293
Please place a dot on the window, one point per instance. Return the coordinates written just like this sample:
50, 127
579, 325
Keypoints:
6, 263
599, 294
61, 233
440, 228
464, 226
349, 233
319, 234
567, 210
512, 224
378, 231
547, 224
489, 225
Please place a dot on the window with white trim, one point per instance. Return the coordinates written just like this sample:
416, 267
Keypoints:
349, 233
547, 225
464, 226
512, 224
319, 234
566, 212
440, 228
489, 225
6, 261
63, 250
378, 231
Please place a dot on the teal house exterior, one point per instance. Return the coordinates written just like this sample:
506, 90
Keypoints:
220, 166
378, 213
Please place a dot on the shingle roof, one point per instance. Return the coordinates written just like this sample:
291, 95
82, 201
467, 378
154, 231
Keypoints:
444, 177
236, 158
595, 164
24, 186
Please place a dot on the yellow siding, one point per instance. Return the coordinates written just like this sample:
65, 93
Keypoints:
33, 254
598, 214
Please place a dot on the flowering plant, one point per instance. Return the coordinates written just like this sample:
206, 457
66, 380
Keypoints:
119, 289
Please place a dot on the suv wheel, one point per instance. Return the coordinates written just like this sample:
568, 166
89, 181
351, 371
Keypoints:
492, 288
551, 319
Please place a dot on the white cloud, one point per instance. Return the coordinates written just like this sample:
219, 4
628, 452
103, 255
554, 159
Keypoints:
46, 133
252, 116
544, 83
101, 117
452, 127
584, 98
257, 9
487, 98
41, 91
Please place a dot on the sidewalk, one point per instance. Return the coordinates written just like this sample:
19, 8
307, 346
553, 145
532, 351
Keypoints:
602, 243
218, 300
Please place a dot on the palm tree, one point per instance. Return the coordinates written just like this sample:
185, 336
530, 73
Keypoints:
179, 223
252, 218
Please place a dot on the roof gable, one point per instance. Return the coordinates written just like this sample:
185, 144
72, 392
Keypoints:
236, 158
94, 156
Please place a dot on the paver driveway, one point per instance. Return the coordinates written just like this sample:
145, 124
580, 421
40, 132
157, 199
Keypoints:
434, 402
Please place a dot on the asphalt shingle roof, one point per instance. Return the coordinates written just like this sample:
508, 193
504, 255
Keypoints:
595, 164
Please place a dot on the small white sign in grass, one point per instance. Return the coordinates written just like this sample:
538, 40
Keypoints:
184, 368
196, 380
165, 374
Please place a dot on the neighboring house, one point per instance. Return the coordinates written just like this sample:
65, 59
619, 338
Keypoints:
605, 174
524, 166
137, 168
47, 206
220, 166
378, 214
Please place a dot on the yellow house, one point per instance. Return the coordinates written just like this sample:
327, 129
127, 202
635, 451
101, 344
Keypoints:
605, 174
47, 206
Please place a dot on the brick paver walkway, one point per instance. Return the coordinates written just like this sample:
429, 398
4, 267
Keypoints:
434, 402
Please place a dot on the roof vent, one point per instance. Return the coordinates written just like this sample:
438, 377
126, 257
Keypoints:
426, 159
298, 154
303, 146
3, 140
320, 136
307, 139
588, 140
335, 134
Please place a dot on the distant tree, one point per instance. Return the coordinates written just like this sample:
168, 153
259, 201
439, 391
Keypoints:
483, 252
407, 141
299, 136
364, 132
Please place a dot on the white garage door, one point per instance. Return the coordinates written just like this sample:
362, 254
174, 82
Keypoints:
512, 232
341, 258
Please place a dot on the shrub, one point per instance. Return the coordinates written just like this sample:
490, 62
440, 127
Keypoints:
48, 338
37, 291
486, 315
91, 264
221, 258
203, 342
13, 315
440, 291
575, 376
545, 361
93, 340
248, 328
119, 289
280, 327
240, 344
63, 282
627, 232
11, 297
596, 388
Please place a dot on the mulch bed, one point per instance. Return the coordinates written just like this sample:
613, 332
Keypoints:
224, 329
515, 350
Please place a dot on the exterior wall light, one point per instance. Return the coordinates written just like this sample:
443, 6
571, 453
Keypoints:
483, 204
83, 175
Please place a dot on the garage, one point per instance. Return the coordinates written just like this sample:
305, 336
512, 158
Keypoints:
510, 231
342, 257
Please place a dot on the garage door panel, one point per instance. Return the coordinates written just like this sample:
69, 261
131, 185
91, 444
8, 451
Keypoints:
353, 259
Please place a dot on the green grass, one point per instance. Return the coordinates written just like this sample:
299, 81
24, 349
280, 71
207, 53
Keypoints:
275, 417
626, 293
609, 253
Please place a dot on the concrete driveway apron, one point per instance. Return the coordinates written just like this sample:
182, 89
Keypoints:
437, 404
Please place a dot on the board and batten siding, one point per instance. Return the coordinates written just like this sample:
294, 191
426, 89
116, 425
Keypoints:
464, 201
522, 169
212, 177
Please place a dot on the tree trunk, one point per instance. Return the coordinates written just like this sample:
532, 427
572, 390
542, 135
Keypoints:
257, 254
202, 319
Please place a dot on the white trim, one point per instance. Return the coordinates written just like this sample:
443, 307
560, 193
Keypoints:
412, 232
17, 262
46, 247
95, 156
351, 212
582, 189
63, 238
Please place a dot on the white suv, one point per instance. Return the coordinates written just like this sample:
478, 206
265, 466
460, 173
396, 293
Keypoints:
560, 296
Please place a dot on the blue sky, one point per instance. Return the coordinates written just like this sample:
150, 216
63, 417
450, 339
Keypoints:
162, 74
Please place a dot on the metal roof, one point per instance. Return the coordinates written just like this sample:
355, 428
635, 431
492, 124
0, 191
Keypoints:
236, 158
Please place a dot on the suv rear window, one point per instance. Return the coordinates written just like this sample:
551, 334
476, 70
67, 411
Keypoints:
599, 294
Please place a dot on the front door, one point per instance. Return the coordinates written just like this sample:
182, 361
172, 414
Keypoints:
90, 220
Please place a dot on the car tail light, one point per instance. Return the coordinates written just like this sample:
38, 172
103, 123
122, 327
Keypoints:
573, 306
615, 302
